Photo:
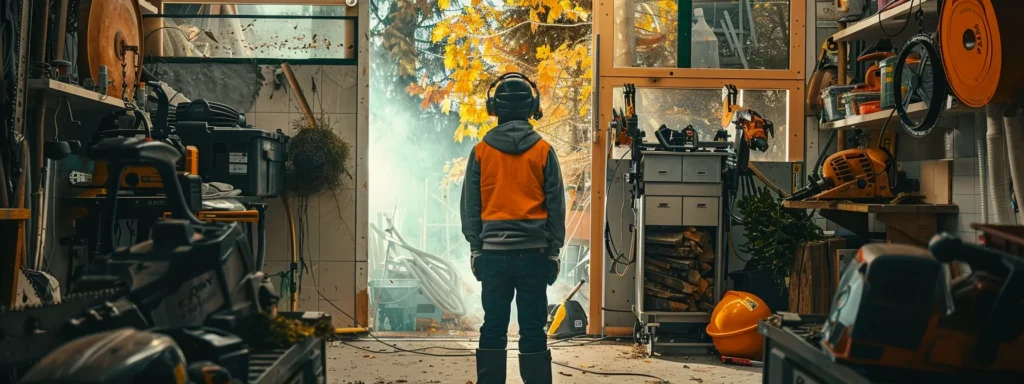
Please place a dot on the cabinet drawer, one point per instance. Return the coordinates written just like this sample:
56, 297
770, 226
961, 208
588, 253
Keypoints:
660, 210
663, 168
702, 169
700, 211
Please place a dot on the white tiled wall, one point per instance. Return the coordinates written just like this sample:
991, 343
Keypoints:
335, 273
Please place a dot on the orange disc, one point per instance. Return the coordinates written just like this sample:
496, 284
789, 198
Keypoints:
977, 67
104, 27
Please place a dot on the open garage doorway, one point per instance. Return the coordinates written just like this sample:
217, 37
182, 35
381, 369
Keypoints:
432, 62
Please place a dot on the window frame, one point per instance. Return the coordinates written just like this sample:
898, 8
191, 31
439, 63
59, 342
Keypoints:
604, 20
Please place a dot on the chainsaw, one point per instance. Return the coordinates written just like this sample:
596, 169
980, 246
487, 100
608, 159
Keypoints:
856, 174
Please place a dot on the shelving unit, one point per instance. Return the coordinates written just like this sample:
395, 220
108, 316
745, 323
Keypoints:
81, 99
877, 120
891, 23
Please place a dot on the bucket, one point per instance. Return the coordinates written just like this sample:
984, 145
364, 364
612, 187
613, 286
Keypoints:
888, 67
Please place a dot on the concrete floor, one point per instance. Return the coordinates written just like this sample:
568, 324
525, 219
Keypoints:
348, 365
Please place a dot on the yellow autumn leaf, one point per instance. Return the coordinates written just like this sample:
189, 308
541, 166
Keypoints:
533, 20
472, 131
554, 13
584, 93
585, 109
559, 113
439, 33
543, 52
451, 58
460, 133
583, 14
446, 105
443, 4
476, 2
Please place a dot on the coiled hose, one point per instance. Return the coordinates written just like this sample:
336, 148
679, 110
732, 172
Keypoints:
440, 280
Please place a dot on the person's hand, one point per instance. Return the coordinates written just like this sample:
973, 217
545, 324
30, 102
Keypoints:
556, 269
473, 256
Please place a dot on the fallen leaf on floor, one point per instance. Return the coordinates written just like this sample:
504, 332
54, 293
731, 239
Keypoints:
564, 374
647, 361
366, 356
402, 381
697, 379
657, 354
587, 366
686, 366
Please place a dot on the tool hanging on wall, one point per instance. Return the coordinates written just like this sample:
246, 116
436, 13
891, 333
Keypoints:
980, 61
110, 34
826, 74
919, 66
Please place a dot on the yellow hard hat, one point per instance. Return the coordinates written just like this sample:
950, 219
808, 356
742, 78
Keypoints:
733, 325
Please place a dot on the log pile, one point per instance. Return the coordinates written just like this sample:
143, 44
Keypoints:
678, 273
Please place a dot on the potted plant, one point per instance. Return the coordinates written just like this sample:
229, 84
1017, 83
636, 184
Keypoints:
773, 234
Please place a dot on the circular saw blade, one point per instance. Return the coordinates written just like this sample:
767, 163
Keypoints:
106, 25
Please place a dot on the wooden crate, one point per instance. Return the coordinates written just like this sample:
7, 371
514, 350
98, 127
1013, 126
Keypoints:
814, 277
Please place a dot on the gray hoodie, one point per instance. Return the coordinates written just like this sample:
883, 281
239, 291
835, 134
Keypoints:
513, 197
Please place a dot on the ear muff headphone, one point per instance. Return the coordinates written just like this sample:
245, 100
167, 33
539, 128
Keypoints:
535, 111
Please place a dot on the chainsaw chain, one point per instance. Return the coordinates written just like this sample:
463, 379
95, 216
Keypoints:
96, 295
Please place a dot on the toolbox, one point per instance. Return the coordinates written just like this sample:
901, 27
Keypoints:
834, 108
249, 159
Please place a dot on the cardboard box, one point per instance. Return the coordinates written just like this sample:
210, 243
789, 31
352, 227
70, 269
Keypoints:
937, 182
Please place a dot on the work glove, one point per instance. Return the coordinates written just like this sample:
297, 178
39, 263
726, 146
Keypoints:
555, 270
473, 256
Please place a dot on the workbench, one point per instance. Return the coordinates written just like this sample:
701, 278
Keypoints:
913, 224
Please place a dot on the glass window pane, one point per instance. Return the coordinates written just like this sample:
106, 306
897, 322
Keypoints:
730, 34
702, 108
256, 37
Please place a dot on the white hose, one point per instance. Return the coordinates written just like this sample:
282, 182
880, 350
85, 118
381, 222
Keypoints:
979, 153
998, 190
440, 281
1014, 143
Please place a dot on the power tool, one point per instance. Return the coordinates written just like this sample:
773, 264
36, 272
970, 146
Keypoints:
895, 309
755, 128
856, 174
567, 319
146, 177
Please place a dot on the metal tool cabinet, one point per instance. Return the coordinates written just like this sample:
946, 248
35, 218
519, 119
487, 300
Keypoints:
680, 189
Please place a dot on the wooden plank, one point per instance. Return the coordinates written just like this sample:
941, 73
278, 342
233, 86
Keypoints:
871, 207
12, 249
14, 214
80, 99
814, 277
909, 228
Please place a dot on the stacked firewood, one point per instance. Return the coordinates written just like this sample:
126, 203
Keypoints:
678, 273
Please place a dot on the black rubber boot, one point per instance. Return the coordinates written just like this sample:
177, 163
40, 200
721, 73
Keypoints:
490, 366
535, 368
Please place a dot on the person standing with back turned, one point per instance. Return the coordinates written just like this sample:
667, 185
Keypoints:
513, 216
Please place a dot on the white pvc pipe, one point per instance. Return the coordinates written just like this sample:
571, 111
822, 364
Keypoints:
998, 190
980, 154
1014, 142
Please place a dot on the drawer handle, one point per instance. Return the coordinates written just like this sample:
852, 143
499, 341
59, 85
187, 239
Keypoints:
662, 172
663, 205
701, 173
702, 205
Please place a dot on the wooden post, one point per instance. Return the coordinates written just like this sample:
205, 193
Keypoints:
843, 63
301, 97
12, 249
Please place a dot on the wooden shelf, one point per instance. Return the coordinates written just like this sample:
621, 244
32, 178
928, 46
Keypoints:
877, 120
891, 23
15, 214
871, 208
81, 99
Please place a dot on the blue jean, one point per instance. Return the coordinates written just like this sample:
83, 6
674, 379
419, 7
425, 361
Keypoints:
523, 275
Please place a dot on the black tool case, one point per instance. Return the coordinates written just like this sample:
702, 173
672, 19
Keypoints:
249, 159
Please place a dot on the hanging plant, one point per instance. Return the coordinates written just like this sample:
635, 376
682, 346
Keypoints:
317, 158
774, 233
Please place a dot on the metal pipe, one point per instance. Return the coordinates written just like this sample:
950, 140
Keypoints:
739, 44
999, 194
980, 154
1014, 141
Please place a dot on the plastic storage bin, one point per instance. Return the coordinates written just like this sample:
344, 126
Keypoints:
834, 109
250, 159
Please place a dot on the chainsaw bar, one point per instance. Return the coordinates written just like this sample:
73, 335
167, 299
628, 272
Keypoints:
31, 332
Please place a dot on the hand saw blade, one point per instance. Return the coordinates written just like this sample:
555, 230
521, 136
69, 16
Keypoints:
30, 333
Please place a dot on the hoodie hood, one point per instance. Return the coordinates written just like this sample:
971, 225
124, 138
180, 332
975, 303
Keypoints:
512, 137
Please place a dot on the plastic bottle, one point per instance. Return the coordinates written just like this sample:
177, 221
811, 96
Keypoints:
704, 43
